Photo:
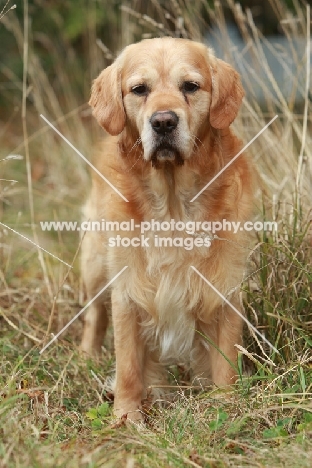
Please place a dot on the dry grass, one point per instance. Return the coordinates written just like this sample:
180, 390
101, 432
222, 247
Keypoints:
54, 408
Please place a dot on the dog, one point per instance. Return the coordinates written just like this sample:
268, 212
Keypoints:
167, 105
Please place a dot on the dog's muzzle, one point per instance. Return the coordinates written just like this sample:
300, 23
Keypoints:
164, 123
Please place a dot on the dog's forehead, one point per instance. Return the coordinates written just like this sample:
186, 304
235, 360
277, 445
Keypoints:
163, 56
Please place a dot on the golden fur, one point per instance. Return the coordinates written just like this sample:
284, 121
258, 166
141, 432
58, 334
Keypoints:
161, 308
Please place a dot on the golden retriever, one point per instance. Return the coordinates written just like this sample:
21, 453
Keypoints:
167, 104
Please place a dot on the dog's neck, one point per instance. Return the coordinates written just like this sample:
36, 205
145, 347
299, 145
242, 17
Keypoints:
168, 189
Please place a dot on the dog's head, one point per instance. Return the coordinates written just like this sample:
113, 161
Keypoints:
166, 92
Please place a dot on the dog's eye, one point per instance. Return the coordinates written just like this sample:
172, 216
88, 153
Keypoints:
140, 90
189, 87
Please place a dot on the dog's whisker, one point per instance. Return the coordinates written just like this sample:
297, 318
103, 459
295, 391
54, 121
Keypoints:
193, 138
202, 145
204, 151
135, 145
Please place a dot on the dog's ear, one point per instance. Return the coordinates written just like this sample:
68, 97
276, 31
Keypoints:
227, 94
106, 100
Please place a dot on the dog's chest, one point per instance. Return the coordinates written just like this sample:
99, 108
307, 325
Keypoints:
173, 302
171, 306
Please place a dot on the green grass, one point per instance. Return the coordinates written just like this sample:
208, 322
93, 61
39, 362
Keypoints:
55, 410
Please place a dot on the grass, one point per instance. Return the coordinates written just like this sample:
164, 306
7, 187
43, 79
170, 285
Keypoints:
59, 415
55, 409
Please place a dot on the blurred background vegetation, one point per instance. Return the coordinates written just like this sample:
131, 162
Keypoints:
65, 32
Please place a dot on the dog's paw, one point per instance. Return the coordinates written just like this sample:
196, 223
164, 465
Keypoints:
130, 415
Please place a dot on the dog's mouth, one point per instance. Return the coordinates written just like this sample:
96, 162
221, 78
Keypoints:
165, 153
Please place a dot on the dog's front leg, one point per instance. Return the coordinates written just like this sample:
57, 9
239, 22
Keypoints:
129, 349
229, 333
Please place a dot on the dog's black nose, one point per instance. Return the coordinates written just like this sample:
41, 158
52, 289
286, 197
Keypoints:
164, 122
